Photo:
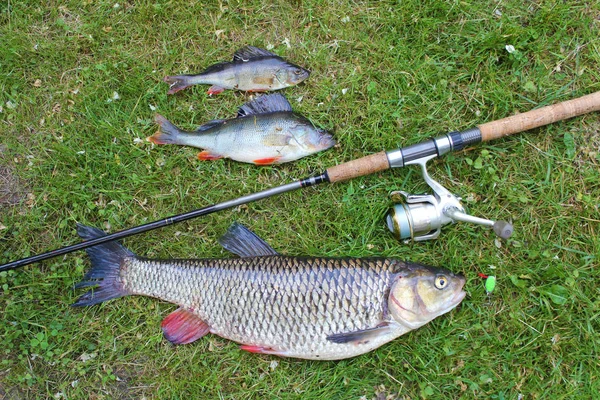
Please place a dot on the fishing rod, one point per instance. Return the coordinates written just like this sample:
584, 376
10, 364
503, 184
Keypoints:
421, 216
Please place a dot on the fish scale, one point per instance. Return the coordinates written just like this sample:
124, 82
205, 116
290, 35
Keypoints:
314, 308
270, 298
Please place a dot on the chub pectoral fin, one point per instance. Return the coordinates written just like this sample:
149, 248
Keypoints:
360, 337
182, 327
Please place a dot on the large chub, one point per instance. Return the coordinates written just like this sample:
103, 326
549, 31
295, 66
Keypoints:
107, 259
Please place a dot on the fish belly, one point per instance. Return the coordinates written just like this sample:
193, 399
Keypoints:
250, 138
288, 305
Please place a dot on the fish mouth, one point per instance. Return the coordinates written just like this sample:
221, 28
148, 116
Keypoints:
453, 302
460, 294
458, 297
326, 141
304, 75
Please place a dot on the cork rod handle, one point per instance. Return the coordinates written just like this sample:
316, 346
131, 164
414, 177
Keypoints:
539, 117
359, 167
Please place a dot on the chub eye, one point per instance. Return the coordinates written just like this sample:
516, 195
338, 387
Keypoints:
297, 71
441, 281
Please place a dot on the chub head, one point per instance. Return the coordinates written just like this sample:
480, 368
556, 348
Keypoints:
419, 294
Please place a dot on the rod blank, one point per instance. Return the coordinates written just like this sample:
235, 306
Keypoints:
351, 169
165, 222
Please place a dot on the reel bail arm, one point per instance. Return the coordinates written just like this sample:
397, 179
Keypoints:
421, 217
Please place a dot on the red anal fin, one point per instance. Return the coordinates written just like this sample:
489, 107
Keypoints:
182, 327
266, 161
214, 89
207, 156
260, 350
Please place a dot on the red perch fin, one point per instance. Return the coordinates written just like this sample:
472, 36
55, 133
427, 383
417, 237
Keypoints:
207, 156
182, 327
167, 134
266, 161
155, 138
214, 89
261, 350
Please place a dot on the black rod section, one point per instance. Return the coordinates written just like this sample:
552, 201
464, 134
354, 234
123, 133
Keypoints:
311, 181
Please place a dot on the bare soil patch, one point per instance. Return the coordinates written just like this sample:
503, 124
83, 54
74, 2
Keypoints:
12, 190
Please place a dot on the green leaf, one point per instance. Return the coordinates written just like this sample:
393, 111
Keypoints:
558, 294
372, 86
518, 282
530, 87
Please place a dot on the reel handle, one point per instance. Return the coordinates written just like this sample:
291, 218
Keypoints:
540, 117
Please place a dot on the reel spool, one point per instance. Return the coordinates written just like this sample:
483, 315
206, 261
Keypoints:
421, 217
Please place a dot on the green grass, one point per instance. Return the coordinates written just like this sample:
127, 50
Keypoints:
413, 69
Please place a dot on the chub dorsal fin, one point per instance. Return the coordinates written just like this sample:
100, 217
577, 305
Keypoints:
265, 104
242, 241
247, 53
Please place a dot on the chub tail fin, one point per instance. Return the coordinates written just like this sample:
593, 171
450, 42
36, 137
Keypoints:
168, 133
106, 259
177, 83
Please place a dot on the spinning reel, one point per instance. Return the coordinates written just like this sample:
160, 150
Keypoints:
421, 217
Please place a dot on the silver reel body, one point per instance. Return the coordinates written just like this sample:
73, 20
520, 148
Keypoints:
421, 217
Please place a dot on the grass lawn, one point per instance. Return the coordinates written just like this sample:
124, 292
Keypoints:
80, 82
